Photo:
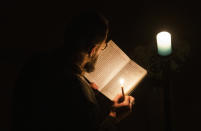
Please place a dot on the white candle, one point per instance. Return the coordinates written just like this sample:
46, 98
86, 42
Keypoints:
122, 87
164, 43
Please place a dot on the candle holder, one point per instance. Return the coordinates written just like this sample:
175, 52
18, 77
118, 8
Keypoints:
161, 70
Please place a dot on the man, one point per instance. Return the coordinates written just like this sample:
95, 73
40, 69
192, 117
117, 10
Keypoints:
52, 92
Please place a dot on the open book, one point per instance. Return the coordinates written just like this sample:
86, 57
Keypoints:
112, 66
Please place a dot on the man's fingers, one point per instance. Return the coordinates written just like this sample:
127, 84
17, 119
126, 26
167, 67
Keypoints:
132, 100
118, 97
127, 102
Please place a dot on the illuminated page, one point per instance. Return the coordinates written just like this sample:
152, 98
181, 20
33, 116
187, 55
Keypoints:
109, 63
132, 74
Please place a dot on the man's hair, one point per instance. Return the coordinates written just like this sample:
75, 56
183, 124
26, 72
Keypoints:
85, 31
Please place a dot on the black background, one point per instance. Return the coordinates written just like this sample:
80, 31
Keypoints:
30, 26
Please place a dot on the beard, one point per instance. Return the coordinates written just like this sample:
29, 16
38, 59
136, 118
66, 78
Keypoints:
90, 66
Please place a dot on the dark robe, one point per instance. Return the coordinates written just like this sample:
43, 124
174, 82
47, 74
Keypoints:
51, 95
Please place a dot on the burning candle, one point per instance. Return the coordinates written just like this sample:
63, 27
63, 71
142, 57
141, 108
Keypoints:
164, 43
122, 87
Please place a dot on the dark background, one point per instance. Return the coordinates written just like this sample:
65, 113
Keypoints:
28, 27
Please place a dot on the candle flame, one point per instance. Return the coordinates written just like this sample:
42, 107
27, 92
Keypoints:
121, 81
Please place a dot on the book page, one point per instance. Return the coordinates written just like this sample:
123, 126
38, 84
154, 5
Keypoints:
132, 74
109, 63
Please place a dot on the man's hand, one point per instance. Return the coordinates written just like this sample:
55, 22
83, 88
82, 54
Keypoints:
122, 107
93, 85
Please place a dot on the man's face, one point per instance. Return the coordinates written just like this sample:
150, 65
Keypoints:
90, 65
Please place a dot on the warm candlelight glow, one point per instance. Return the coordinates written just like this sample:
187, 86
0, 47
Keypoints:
164, 43
121, 81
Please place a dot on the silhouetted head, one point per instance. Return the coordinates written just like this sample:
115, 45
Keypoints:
85, 37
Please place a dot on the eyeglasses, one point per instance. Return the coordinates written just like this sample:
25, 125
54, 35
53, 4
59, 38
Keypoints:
104, 46
106, 42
